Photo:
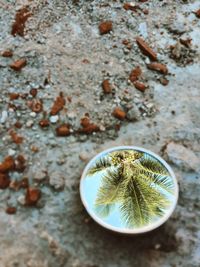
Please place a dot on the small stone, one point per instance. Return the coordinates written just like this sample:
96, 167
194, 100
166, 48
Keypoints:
146, 50
21, 200
107, 88
119, 113
63, 130
29, 123
57, 180
58, 104
7, 165
40, 175
164, 81
4, 181
36, 105
140, 86
14, 96
7, 53
156, 66
17, 139
133, 114
18, 65
105, 27
11, 210
182, 157
54, 119
20, 163
33, 92
135, 74
4, 116
197, 13
44, 123
32, 196
33, 114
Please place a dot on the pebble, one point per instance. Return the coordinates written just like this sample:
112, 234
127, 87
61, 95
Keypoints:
4, 116
29, 123
11, 152
21, 200
133, 114
54, 119
33, 114
56, 180
40, 175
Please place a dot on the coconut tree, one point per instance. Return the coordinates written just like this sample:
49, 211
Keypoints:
136, 181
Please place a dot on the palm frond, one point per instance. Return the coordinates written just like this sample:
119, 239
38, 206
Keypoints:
154, 172
109, 191
153, 165
141, 203
100, 165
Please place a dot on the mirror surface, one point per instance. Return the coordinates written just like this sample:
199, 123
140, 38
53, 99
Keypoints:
128, 189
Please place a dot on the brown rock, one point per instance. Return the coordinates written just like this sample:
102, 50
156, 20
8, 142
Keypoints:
140, 86
130, 6
119, 113
197, 13
11, 210
20, 163
127, 43
135, 74
162, 68
7, 165
18, 64
20, 20
146, 50
164, 81
88, 127
18, 125
13, 96
4, 180
85, 122
105, 27
107, 88
32, 196
17, 139
7, 53
33, 92
58, 105
16, 185
63, 130
36, 105
44, 123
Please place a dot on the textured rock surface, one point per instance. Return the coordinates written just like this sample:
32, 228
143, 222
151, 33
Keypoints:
65, 53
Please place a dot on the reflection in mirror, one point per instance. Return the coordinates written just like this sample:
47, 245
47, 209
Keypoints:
128, 188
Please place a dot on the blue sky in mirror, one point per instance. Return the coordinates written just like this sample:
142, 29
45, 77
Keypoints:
91, 185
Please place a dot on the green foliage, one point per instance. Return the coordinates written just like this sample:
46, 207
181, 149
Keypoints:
137, 182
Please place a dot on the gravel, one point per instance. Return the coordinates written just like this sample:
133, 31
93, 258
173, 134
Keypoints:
67, 60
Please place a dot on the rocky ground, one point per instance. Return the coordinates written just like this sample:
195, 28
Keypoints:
76, 78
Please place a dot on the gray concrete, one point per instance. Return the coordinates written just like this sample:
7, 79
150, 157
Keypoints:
59, 36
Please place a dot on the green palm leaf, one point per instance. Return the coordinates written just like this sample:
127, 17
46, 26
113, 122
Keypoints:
109, 191
154, 172
102, 164
141, 202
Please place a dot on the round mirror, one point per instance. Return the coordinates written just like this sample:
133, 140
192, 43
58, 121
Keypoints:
129, 190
